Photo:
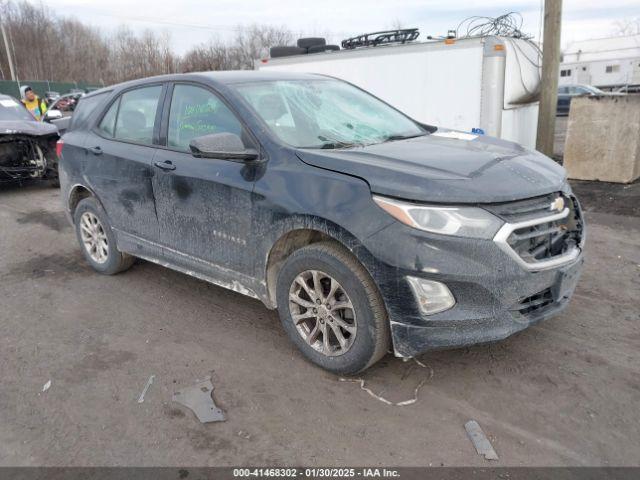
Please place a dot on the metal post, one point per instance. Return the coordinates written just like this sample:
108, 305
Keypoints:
6, 47
549, 81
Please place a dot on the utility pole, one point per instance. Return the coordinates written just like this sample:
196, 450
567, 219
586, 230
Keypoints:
549, 81
6, 47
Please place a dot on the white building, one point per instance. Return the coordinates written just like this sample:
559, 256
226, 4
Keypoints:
606, 63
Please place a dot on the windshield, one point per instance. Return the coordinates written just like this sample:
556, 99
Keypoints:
10, 110
326, 114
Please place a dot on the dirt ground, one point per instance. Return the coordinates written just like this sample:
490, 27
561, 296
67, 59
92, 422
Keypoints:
565, 392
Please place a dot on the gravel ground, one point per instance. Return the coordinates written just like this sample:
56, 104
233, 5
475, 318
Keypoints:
565, 392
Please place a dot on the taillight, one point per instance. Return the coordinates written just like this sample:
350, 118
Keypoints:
59, 145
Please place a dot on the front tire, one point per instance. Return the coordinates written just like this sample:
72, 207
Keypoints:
331, 308
51, 175
97, 241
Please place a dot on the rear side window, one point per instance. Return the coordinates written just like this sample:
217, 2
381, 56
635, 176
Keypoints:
136, 116
195, 112
86, 106
108, 124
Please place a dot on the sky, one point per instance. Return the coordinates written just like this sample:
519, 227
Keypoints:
192, 22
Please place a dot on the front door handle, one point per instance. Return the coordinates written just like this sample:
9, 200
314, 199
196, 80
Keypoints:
166, 165
95, 150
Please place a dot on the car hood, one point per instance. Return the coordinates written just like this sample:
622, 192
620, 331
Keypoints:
26, 127
446, 167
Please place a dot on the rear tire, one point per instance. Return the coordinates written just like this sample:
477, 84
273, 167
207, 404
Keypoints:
311, 42
323, 48
334, 336
96, 239
51, 171
51, 175
285, 51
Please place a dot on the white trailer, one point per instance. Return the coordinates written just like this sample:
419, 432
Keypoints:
488, 83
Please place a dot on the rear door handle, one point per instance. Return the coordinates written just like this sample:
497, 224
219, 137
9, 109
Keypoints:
95, 150
166, 165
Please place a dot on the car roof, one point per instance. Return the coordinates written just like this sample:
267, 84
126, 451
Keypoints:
241, 76
226, 77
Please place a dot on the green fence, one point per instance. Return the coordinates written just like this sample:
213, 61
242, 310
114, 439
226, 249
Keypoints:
12, 88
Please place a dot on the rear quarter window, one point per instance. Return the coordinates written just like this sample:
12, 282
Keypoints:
86, 107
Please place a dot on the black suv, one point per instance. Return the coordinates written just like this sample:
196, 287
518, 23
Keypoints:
365, 229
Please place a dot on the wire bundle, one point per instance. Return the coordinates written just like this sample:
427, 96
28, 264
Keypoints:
507, 25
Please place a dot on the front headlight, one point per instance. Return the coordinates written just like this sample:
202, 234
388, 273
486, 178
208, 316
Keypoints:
459, 221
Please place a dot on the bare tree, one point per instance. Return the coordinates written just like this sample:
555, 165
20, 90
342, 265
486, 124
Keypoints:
214, 55
627, 26
249, 44
254, 42
49, 47
397, 24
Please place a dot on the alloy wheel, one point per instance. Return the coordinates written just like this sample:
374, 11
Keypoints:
94, 237
322, 312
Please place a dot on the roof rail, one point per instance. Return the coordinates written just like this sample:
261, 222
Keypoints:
402, 35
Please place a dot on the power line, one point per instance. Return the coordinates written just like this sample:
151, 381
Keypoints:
157, 21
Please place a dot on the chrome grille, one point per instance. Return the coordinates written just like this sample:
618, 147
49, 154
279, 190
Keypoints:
538, 236
523, 210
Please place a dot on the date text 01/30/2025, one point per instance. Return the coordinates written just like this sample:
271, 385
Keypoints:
315, 472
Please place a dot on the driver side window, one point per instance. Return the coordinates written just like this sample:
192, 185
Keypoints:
195, 112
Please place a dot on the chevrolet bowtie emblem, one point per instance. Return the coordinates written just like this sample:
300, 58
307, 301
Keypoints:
557, 205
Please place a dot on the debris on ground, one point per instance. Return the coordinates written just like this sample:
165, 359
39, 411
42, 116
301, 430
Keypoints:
46, 386
380, 398
146, 388
199, 399
480, 440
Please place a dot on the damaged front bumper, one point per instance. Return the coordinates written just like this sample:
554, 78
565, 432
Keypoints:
495, 296
410, 340
25, 157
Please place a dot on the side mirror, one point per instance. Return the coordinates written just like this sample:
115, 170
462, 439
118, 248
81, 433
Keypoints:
52, 115
227, 146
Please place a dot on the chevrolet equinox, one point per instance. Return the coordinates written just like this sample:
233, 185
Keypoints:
367, 230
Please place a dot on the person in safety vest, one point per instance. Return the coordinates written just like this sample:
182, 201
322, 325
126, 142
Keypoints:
36, 106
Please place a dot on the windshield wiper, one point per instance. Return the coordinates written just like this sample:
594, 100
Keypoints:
330, 145
391, 138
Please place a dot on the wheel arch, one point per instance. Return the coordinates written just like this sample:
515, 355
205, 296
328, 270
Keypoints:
303, 232
77, 193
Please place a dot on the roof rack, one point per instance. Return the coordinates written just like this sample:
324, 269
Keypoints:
382, 38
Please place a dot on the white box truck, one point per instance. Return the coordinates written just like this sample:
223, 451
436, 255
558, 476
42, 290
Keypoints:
489, 83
